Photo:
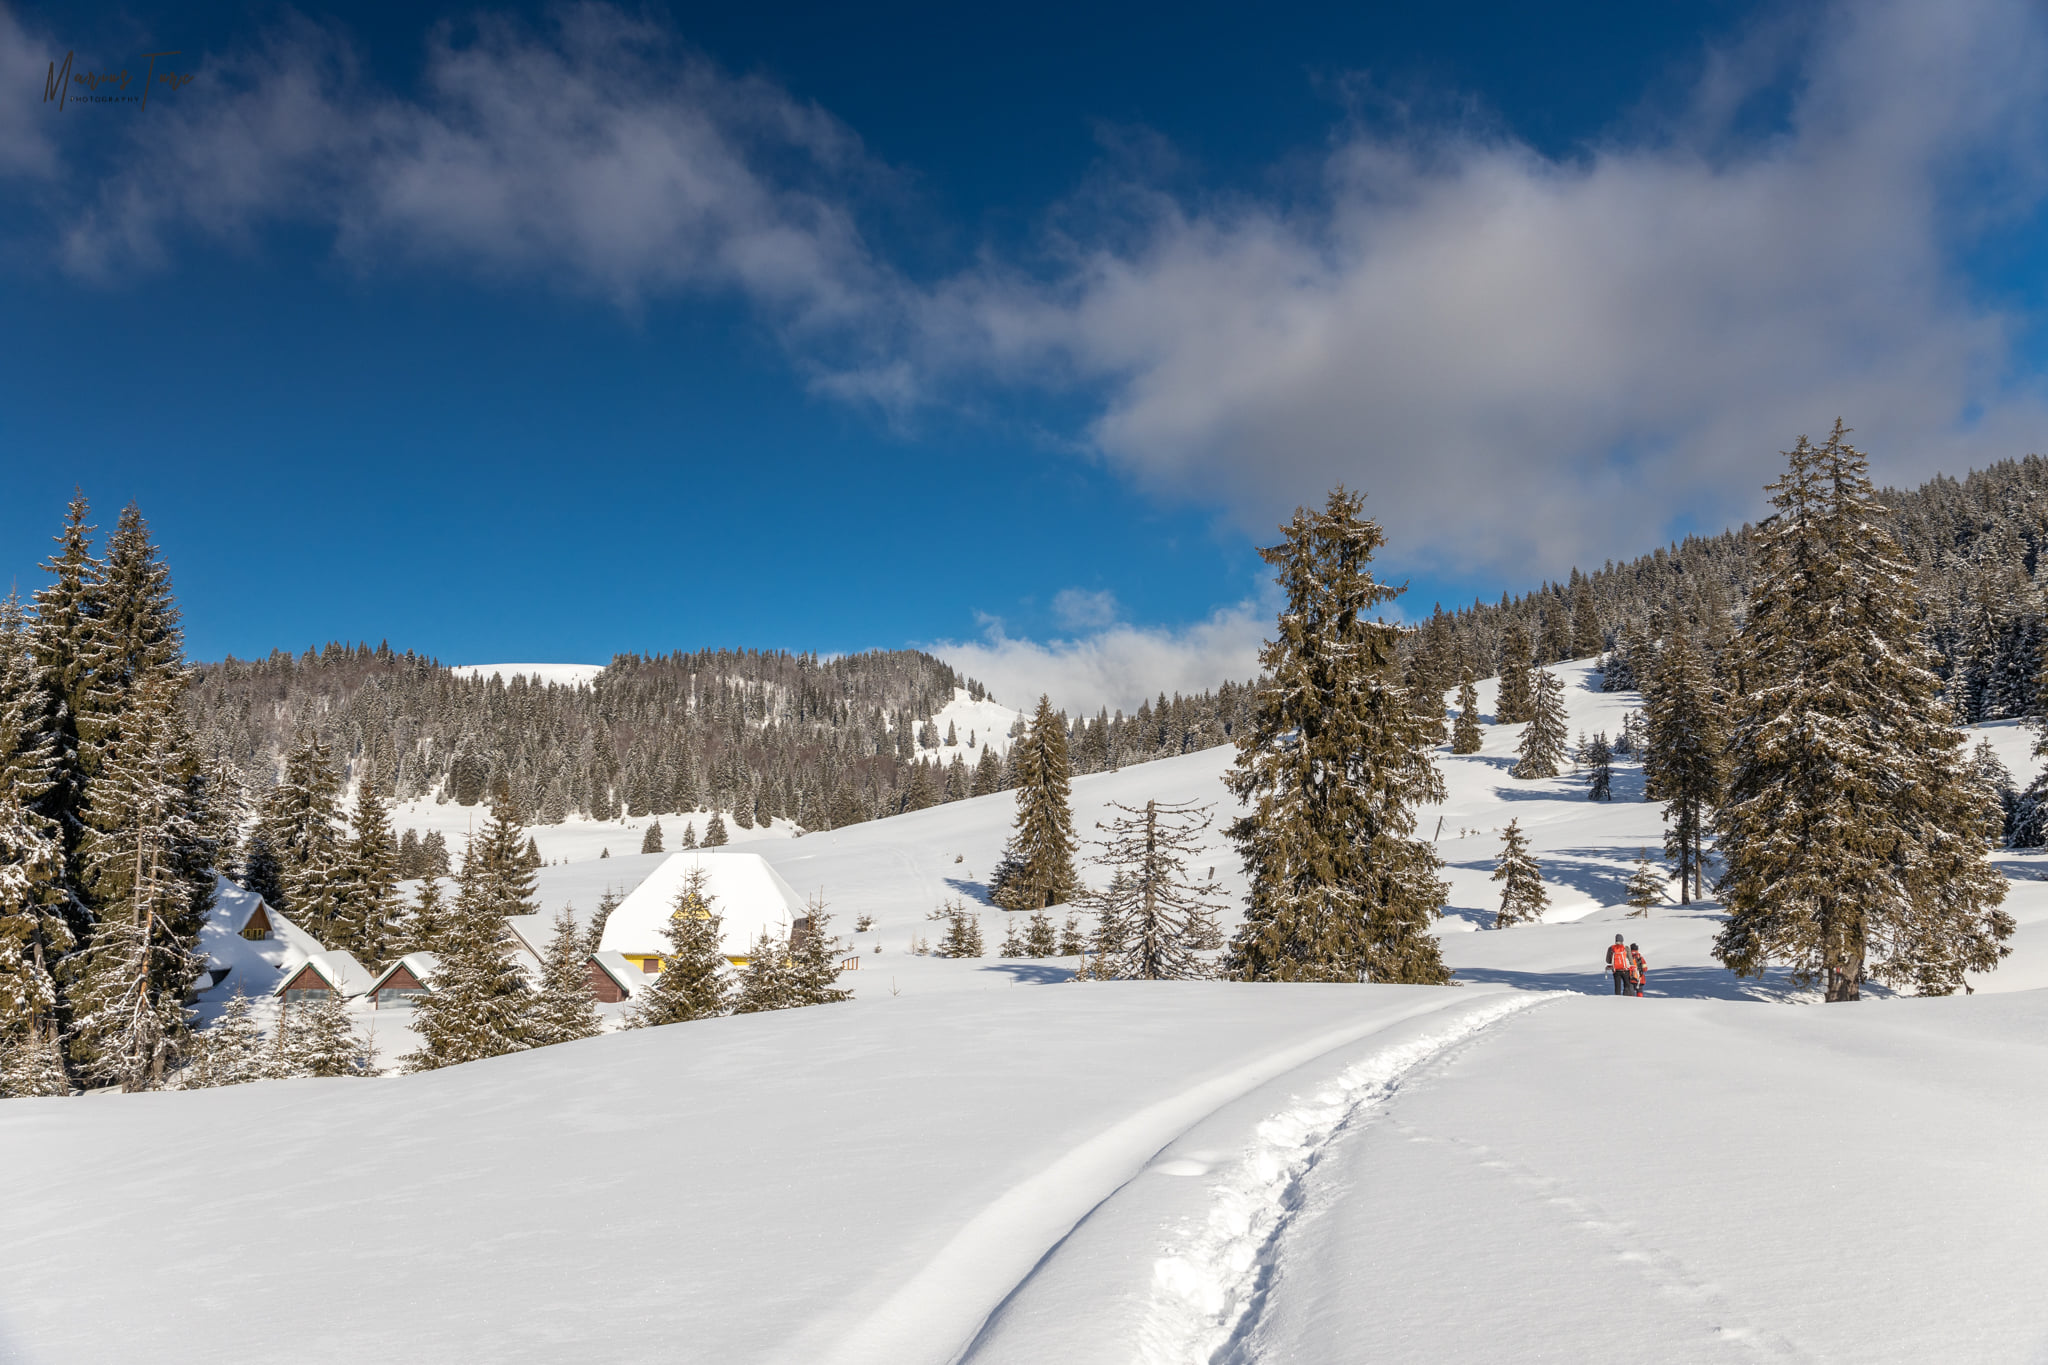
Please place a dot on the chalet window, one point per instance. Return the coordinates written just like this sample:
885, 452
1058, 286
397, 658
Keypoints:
255, 930
650, 964
311, 995
398, 995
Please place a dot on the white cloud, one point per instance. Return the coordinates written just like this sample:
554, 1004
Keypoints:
600, 157
1529, 361
1119, 666
27, 148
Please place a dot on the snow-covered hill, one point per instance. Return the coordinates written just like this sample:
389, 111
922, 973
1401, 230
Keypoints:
983, 1161
562, 675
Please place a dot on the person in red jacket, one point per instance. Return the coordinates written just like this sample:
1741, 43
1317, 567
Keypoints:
1618, 963
1638, 968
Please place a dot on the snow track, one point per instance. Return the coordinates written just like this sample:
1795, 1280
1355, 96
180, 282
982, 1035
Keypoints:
1206, 1294
935, 1314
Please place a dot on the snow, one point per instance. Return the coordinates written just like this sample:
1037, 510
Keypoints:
960, 1165
562, 675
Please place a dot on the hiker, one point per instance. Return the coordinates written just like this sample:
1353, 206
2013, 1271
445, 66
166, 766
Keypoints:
1618, 962
1638, 967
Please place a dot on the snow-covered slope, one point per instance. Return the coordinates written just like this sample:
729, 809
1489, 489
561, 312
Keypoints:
563, 675
980, 1160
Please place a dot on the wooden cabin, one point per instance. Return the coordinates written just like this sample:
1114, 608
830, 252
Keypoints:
403, 983
613, 977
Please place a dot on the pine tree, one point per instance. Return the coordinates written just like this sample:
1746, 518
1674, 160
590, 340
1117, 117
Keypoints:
1684, 762
1853, 832
367, 904
693, 981
650, 842
320, 1040
1037, 868
1588, 638
1040, 938
1522, 896
148, 875
988, 773
1543, 741
1334, 759
481, 1005
1072, 942
814, 962
566, 1010
1599, 769
301, 819
606, 903
425, 927
1152, 916
1465, 734
32, 1064
767, 981
714, 831
1516, 700
1645, 885
1013, 942
963, 930
229, 1051
34, 931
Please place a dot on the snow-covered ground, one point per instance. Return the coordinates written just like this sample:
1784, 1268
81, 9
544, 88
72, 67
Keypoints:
983, 1161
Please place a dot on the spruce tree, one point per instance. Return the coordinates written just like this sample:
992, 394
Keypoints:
34, 930
714, 831
1040, 938
1516, 698
148, 874
1465, 734
1852, 830
1037, 867
1685, 758
767, 981
1645, 885
1543, 741
425, 927
566, 1010
1588, 638
1153, 914
320, 1040
963, 930
229, 1051
1013, 942
301, 822
1599, 769
594, 935
1522, 896
32, 1065
1334, 758
650, 842
814, 963
481, 1005
367, 906
693, 982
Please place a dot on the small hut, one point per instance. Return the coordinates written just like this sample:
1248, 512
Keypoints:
403, 982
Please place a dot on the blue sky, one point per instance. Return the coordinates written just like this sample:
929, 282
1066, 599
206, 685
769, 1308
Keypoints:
544, 333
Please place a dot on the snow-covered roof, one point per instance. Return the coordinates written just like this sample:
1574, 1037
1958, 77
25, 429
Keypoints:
249, 966
746, 891
421, 965
233, 905
340, 969
532, 932
615, 965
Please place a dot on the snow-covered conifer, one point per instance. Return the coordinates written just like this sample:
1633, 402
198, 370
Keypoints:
963, 930
1465, 734
301, 824
1073, 942
1154, 912
1013, 942
1516, 698
481, 1004
814, 959
32, 1064
594, 935
1599, 762
1685, 755
1037, 867
1543, 741
1645, 884
766, 981
34, 931
693, 982
1853, 830
566, 1009
714, 831
1522, 896
650, 842
321, 1039
1333, 759
229, 1051
1041, 939
367, 908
